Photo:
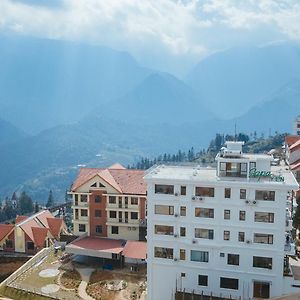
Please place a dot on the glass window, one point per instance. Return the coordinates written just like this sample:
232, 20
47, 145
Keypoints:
262, 262
133, 215
112, 214
97, 213
182, 254
243, 194
205, 191
242, 215
265, 217
9, 244
183, 190
83, 198
233, 259
161, 252
265, 195
200, 256
134, 200
229, 283
81, 227
201, 212
241, 236
112, 200
226, 235
227, 193
84, 212
164, 189
204, 233
114, 229
182, 231
30, 245
164, 229
226, 214
97, 199
203, 280
98, 229
252, 165
183, 211
232, 169
262, 238
164, 210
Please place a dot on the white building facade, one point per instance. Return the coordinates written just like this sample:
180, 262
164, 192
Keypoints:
220, 231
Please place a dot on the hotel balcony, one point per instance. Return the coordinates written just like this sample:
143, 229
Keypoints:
116, 206
122, 222
80, 219
79, 204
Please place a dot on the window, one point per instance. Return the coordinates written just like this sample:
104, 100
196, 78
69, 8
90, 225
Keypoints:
30, 245
98, 229
94, 184
161, 252
164, 229
183, 211
84, 212
76, 197
83, 198
97, 213
241, 237
226, 235
227, 193
9, 244
134, 215
252, 165
203, 280
229, 283
204, 212
204, 233
112, 214
183, 190
233, 169
261, 290
164, 189
242, 215
98, 199
182, 231
262, 262
182, 254
200, 256
112, 200
226, 214
134, 201
205, 191
243, 194
233, 259
81, 227
182, 274
264, 217
164, 210
265, 195
262, 238
114, 230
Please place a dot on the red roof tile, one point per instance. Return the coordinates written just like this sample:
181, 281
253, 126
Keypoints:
291, 139
98, 244
135, 249
27, 226
20, 219
55, 225
5, 229
43, 217
39, 235
123, 180
295, 165
117, 166
295, 146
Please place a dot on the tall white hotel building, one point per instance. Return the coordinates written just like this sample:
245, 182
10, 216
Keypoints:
222, 231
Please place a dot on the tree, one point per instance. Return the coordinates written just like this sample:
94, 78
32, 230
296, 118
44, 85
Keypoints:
296, 218
50, 201
36, 207
25, 204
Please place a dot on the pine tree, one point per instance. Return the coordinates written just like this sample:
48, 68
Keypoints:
50, 201
36, 207
25, 204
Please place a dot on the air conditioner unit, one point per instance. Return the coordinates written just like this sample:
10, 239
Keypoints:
201, 198
175, 259
254, 202
194, 198
247, 201
176, 215
176, 194
175, 235
194, 241
248, 241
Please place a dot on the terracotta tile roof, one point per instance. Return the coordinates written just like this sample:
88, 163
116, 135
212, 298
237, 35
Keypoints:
20, 219
295, 165
5, 229
39, 235
55, 225
295, 146
43, 217
123, 180
117, 166
98, 244
27, 226
135, 249
291, 139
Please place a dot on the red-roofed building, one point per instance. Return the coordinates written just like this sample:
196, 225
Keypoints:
110, 203
292, 144
31, 234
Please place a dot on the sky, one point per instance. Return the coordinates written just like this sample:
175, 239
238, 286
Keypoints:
167, 35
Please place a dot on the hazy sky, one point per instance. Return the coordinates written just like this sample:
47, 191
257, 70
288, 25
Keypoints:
165, 34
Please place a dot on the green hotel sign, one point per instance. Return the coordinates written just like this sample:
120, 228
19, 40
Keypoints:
259, 174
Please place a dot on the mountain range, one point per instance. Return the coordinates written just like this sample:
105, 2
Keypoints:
72, 105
